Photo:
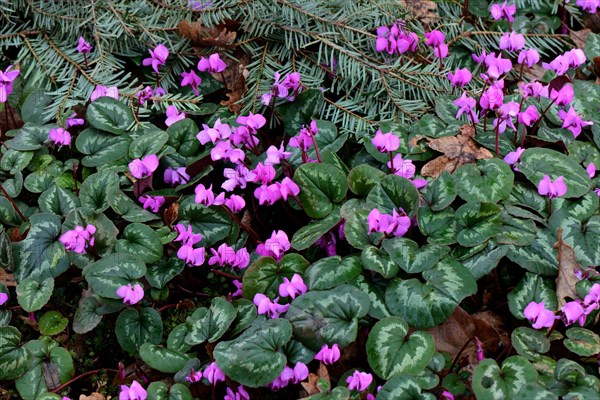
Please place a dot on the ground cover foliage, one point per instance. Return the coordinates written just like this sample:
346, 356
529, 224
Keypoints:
299, 199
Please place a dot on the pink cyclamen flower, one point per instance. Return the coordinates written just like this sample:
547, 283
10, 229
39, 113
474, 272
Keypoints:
496, 65
264, 174
492, 98
275, 155
206, 196
539, 316
531, 89
593, 297
288, 187
572, 121
186, 235
83, 46
235, 203
158, 57
142, 168
218, 132
506, 113
529, 116
396, 224
173, 115
292, 288
194, 376
153, 203
265, 306
134, 392
238, 288
446, 395
328, 355
513, 158
145, 94
60, 137
403, 168
573, 311
268, 194
530, 57
192, 80
560, 65
466, 105
590, 6
73, 121
7, 78
237, 177
3, 298
359, 381
212, 64
252, 121
241, 394
191, 256
460, 77
591, 170
512, 41
503, 11
386, 142
436, 39
214, 374
275, 246
224, 151
300, 372
283, 379
547, 187
222, 256
78, 239
563, 96
131, 295
176, 177
103, 91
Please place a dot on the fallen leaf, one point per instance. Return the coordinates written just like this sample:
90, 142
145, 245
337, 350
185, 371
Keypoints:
311, 386
171, 214
460, 327
204, 36
93, 396
424, 10
457, 151
567, 269
7, 278
580, 37
51, 375
235, 80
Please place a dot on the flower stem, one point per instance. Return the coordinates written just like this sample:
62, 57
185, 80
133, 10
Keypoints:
497, 139
242, 225
316, 147
12, 203
61, 387
225, 274
542, 116
392, 162
523, 135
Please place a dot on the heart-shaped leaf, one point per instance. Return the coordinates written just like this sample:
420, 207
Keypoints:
477, 222
490, 181
148, 143
378, 309
491, 383
391, 351
163, 359
412, 259
321, 185
402, 388
30, 137
301, 110
161, 273
530, 288
106, 233
394, 192
582, 342
14, 161
87, 316
141, 241
373, 259
159, 391
441, 192
110, 115
57, 200
108, 274
182, 137
33, 295
310, 233
439, 227
212, 222
135, 327
212, 323
127, 208
253, 358
328, 316
332, 271
530, 343
93, 192
361, 179
52, 323
266, 274
14, 359
101, 148
584, 238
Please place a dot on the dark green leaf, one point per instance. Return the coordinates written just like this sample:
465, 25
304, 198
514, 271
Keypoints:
110, 115
135, 327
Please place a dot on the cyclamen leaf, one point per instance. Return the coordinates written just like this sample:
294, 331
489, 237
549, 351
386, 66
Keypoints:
33, 295
403, 388
321, 185
391, 351
127, 208
212, 222
101, 148
213, 324
14, 161
412, 259
148, 143
582, 342
160, 391
490, 181
87, 316
477, 222
163, 359
394, 192
441, 192
332, 271
361, 179
328, 316
30, 137
94, 190
14, 359
108, 274
57, 200
135, 327
491, 383
310, 233
52, 323
182, 137
110, 115
253, 358
266, 274
530, 343
141, 241
373, 259
532, 287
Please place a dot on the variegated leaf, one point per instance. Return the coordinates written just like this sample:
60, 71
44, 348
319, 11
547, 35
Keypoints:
333, 271
33, 295
321, 185
266, 274
394, 192
492, 383
141, 241
110, 115
212, 324
108, 274
135, 327
14, 359
163, 359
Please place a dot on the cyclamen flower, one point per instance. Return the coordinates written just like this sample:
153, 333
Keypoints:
194, 376
386, 142
530, 57
492, 98
436, 39
395, 224
560, 97
144, 95
237, 177
275, 246
529, 116
173, 115
83, 46
359, 381
532, 89
134, 392
103, 91
241, 394
154, 203
252, 121
291, 83
226, 255
497, 66
144, 167
403, 168
460, 77
131, 295
513, 158
224, 150
218, 132
328, 355
235, 203
268, 194
591, 170
192, 80
263, 174
466, 105
7, 78
212, 64
275, 155
78, 239
506, 113
547, 187
512, 41
446, 395
191, 256
573, 311
158, 57
572, 121
60, 137
214, 374
292, 288
590, 6
328, 242
73, 121
3, 298
266, 306
288, 187
206, 196
560, 65
238, 287
176, 177
395, 40
186, 235
539, 316
592, 299
503, 11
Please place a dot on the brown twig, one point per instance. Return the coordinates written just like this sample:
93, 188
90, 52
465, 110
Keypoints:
12, 202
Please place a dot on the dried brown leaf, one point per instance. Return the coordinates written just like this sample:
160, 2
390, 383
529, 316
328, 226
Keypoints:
580, 37
7, 278
311, 387
457, 151
203, 36
171, 214
93, 396
567, 267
